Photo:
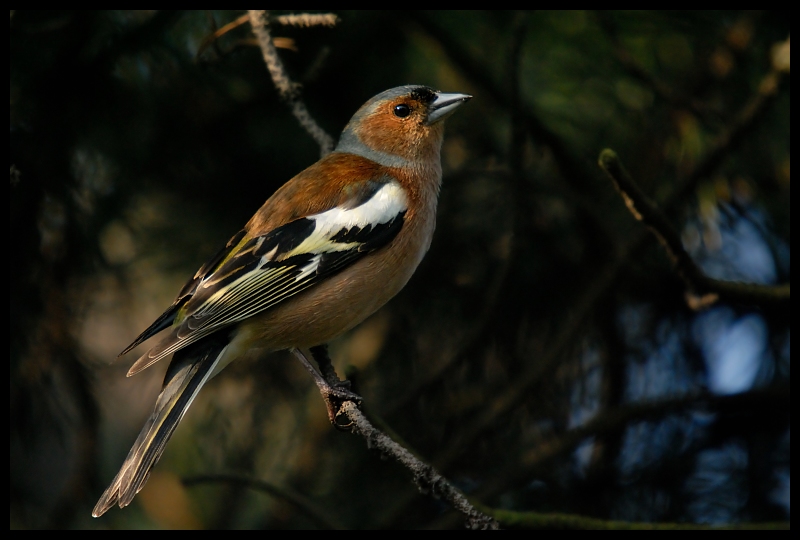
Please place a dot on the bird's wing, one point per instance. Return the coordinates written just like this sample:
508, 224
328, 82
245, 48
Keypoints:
168, 317
262, 271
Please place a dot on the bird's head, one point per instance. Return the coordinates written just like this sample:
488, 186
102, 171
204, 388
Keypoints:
400, 125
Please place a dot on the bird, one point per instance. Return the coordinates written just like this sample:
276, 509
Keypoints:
325, 251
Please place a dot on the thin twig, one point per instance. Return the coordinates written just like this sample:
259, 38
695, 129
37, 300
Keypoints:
306, 20
218, 33
699, 285
425, 476
288, 90
319, 516
213, 38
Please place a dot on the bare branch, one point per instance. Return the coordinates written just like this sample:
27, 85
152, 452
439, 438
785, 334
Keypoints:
308, 19
699, 285
340, 401
426, 477
288, 90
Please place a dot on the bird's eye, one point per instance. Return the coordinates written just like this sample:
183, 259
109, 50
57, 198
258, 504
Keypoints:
402, 110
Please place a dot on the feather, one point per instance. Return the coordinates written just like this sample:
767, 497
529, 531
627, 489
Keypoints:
188, 372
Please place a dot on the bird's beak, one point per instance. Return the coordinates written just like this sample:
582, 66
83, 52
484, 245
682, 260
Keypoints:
444, 105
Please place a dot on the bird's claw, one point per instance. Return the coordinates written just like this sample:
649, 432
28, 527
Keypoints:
335, 396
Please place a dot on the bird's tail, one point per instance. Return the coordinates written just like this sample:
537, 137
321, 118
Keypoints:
188, 372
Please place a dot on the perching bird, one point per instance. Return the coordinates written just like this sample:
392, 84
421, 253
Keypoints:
327, 250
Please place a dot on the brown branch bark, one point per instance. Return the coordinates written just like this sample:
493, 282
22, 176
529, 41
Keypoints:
306, 20
425, 476
288, 90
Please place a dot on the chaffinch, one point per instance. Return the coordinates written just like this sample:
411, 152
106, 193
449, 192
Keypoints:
328, 249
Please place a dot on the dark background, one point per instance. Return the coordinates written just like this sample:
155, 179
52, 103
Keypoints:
543, 357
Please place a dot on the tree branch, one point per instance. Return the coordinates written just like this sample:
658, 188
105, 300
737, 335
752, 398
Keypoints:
425, 476
288, 90
702, 289
308, 19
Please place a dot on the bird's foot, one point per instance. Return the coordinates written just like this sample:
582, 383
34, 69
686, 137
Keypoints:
334, 391
335, 397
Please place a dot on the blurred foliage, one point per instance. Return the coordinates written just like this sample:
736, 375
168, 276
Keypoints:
543, 357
